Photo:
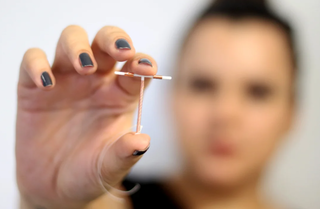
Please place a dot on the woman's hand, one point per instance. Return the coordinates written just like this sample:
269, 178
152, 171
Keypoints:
68, 112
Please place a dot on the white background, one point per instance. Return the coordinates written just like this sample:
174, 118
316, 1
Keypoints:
156, 27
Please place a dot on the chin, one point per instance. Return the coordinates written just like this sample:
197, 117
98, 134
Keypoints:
220, 175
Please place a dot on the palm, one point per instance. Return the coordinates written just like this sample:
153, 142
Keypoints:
61, 132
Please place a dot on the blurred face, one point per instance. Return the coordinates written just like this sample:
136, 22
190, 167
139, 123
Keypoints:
233, 98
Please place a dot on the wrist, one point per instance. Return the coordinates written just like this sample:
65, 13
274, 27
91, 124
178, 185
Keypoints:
34, 203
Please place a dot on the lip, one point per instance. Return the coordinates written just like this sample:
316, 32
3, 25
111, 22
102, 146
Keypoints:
222, 149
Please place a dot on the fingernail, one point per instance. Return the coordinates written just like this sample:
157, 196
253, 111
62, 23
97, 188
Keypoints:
137, 152
46, 80
145, 61
122, 44
85, 60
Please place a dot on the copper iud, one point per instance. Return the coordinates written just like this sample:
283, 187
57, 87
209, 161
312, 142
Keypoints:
129, 74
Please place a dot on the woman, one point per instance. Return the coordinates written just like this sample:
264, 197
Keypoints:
233, 100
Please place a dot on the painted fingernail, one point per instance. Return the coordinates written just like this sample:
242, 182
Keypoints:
122, 44
85, 60
145, 61
46, 80
137, 152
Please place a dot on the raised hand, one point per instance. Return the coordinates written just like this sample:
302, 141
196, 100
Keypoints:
68, 112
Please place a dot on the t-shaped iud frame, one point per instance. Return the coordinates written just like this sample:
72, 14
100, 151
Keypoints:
129, 74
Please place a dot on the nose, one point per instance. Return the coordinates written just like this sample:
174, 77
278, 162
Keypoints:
225, 110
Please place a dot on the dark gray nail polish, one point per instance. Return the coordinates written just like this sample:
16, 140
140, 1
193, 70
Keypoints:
122, 44
137, 152
46, 80
85, 60
145, 61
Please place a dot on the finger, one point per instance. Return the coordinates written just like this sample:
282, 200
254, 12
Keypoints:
140, 64
110, 45
124, 153
74, 51
35, 70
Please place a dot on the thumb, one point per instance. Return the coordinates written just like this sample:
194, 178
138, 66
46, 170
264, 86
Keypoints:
121, 156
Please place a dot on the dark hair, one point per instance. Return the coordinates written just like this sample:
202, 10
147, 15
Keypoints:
240, 9
243, 9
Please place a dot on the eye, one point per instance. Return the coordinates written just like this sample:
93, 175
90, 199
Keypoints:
259, 91
202, 85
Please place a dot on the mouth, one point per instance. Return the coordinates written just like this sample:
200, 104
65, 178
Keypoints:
221, 148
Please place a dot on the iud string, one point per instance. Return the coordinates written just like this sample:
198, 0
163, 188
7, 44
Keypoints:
140, 105
113, 192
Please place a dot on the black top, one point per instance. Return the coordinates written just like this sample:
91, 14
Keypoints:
150, 195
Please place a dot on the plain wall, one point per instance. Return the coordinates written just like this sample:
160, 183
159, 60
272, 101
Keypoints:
156, 28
